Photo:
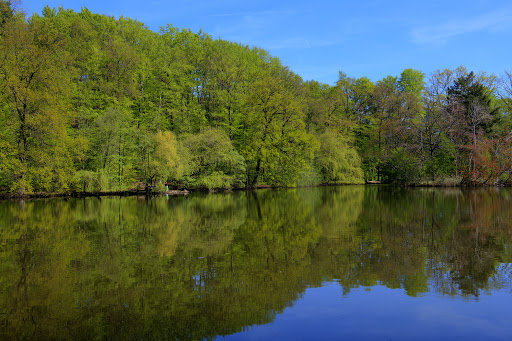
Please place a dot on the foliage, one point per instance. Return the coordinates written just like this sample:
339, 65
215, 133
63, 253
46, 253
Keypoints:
88, 181
401, 168
210, 160
85, 93
442, 161
162, 160
491, 160
167, 163
32, 83
276, 145
338, 161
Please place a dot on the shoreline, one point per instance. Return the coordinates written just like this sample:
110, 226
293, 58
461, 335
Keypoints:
128, 193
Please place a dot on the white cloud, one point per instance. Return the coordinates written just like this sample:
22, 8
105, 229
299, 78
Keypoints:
251, 14
298, 43
440, 34
458, 318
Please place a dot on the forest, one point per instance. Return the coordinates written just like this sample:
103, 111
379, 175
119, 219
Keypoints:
92, 103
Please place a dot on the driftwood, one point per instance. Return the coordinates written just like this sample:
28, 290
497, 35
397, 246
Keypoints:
373, 182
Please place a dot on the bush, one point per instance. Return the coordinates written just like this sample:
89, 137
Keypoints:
210, 161
88, 181
216, 180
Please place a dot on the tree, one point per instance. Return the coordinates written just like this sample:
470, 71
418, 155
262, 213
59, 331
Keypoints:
275, 144
162, 161
471, 103
7, 10
314, 103
338, 160
474, 100
210, 160
437, 126
505, 92
113, 146
167, 164
33, 77
411, 81
394, 120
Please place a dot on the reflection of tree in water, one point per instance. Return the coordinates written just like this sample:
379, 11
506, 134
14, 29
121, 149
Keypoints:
192, 268
448, 240
199, 266
382, 246
36, 250
262, 272
474, 251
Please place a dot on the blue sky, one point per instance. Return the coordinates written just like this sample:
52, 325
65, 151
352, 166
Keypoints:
317, 39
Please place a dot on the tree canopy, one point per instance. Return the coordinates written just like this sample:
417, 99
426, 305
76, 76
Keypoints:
89, 96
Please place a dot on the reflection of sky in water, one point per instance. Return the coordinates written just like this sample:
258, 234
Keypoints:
381, 313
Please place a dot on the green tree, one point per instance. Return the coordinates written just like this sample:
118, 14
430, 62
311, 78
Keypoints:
275, 145
34, 78
339, 161
210, 160
165, 163
473, 100
7, 10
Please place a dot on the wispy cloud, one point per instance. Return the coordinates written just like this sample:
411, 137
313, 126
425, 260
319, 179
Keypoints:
248, 27
299, 43
448, 316
441, 33
251, 14
251, 27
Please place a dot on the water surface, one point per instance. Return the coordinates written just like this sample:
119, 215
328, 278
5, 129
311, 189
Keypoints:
339, 262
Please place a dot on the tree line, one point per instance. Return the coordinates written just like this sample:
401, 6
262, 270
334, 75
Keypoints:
90, 102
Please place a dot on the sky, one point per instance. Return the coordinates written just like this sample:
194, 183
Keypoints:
318, 39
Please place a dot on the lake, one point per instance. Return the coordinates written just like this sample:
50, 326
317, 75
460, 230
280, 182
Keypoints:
353, 262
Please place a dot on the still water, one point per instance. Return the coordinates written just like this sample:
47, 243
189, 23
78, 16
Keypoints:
351, 262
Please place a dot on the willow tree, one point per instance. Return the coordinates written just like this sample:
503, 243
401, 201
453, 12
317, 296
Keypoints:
162, 161
338, 160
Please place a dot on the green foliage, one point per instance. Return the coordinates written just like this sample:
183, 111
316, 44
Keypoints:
310, 177
84, 92
161, 160
412, 81
33, 81
210, 160
214, 180
276, 146
473, 100
88, 181
442, 164
6, 13
339, 162
401, 168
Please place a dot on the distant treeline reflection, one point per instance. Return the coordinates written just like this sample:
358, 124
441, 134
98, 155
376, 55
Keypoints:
205, 265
